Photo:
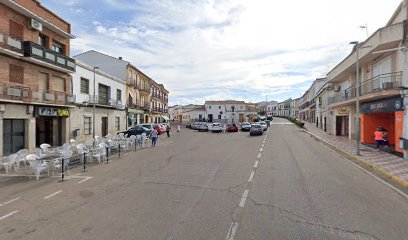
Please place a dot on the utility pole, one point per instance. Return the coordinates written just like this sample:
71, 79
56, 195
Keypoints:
358, 83
93, 110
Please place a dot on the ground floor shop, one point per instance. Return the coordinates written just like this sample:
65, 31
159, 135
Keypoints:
28, 126
107, 121
135, 117
386, 113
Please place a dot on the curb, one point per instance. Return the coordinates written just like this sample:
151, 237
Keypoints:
361, 161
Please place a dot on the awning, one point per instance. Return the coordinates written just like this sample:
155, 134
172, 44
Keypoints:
166, 118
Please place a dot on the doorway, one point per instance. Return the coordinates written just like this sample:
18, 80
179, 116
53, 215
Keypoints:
342, 125
48, 130
13, 135
104, 126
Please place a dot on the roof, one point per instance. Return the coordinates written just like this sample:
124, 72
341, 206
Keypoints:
201, 108
224, 102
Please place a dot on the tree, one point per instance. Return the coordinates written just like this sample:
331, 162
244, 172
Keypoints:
262, 113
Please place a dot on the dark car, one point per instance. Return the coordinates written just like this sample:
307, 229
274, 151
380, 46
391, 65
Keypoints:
256, 129
137, 130
270, 118
245, 126
232, 127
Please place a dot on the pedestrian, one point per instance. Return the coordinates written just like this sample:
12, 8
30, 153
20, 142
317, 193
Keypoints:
178, 128
385, 136
154, 135
168, 130
378, 136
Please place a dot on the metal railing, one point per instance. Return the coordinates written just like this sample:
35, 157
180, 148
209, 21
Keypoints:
39, 52
85, 99
10, 42
378, 83
25, 94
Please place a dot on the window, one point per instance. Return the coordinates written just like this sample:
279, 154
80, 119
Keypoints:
58, 47
13, 135
43, 40
117, 123
43, 83
118, 95
219, 107
209, 107
219, 116
59, 84
84, 85
87, 125
16, 74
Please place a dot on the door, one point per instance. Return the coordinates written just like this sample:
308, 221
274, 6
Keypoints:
339, 123
104, 126
13, 135
44, 130
210, 117
325, 129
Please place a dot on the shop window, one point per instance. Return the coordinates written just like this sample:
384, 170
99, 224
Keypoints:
84, 85
13, 135
117, 123
87, 125
59, 84
16, 74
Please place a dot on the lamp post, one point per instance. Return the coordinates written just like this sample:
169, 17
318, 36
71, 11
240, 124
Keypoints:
93, 110
358, 84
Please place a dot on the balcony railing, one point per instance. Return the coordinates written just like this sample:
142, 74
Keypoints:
375, 84
10, 43
144, 88
85, 99
47, 55
25, 94
145, 106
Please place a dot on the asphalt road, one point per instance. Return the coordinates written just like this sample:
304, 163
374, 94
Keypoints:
209, 186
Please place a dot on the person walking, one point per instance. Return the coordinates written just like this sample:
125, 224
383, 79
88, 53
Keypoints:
379, 139
154, 136
168, 130
178, 128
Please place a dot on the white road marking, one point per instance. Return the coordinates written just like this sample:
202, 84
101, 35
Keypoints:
232, 230
261, 149
243, 198
51, 195
8, 202
256, 164
84, 180
251, 176
263, 144
259, 155
8, 215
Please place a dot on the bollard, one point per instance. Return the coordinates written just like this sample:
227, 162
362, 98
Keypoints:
62, 169
119, 150
135, 144
84, 161
107, 155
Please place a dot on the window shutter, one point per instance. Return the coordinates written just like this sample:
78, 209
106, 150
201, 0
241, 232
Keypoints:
59, 84
16, 74
84, 85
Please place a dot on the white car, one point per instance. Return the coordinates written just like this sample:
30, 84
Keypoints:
263, 125
216, 127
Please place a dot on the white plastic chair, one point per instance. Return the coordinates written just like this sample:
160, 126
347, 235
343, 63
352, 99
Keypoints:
44, 147
100, 153
21, 154
144, 138
9, 162
66, 155
36, 165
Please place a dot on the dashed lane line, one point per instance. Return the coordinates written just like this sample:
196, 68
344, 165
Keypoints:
8, 215
261, 149
259, 155
243, 198
84, 180
256, 164
10, 201
251, 176
51, 195
232, 230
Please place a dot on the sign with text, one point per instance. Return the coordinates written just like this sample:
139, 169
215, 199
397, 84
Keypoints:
383, 106
52, 112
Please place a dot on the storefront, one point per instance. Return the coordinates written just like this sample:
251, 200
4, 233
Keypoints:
135, 117
387, 113
50, 125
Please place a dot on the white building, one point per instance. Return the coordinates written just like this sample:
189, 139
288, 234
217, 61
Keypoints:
228, 111
195, 114
110, 114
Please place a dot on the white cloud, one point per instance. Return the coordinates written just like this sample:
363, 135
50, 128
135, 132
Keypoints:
194, 47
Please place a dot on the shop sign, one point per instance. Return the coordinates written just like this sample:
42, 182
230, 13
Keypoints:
52, 112
343, 111
383, 106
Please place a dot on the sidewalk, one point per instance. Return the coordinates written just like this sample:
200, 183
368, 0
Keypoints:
389, 165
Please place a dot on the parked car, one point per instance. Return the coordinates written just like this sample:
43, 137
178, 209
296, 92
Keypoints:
195, 125
263, 125
162, 127
245, 126
232, 127
165, 125
216, 127
137, 130
256, 129
270, 118
152, 126
203, 127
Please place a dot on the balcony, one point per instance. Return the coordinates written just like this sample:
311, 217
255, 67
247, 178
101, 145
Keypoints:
85, 99
10, 45
377, 87
51, 57
144, 88
145, 106
17, 93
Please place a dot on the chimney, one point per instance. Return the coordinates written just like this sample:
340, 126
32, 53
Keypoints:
120, 58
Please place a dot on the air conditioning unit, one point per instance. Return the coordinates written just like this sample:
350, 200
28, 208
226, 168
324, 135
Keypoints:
34, 24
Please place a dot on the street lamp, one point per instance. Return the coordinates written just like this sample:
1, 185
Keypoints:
93, 110
358, 83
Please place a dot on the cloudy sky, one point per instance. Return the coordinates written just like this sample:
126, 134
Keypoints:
225, 49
